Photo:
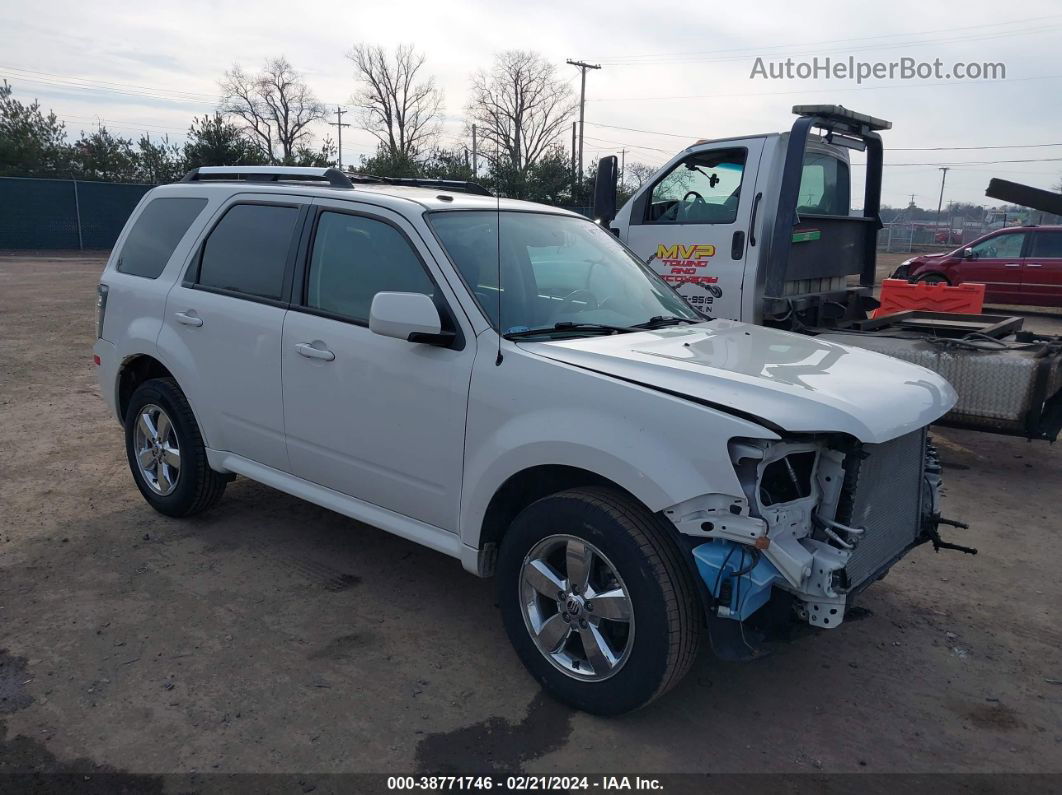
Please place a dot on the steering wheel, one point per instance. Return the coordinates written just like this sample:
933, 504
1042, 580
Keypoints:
697, 198
586, 295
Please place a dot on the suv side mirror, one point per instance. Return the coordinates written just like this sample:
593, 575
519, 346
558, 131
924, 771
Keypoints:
408, 316
605, 190
968, 253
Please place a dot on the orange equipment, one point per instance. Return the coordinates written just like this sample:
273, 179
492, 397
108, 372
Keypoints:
898, 295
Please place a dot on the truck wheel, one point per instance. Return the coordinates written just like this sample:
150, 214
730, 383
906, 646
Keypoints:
597, 601
166, 451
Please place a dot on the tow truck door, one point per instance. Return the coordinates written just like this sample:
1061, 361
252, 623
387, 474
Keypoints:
692, 222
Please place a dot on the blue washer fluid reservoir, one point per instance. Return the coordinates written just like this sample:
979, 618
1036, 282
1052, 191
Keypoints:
718, 561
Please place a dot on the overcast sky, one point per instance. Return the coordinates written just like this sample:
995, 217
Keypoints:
675, 71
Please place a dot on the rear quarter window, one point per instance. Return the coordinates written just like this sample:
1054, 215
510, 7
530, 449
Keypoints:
155, 234
825, 186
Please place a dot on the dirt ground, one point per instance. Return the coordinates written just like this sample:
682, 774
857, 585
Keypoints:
270, 635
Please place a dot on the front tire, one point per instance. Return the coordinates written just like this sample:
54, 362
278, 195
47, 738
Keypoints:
597, 601
933, 278
166, 452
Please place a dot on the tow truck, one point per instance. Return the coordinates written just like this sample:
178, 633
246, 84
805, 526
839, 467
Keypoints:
759, 228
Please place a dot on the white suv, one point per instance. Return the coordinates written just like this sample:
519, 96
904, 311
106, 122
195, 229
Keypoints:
507, 384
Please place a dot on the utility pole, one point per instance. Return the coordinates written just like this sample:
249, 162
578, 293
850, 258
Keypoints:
475, 152
339, 124
575, 174
940, 203
582, 66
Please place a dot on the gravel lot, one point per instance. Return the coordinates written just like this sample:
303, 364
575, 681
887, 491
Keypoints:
270, 635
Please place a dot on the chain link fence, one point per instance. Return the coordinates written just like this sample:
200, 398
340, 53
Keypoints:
64, 213
907, 236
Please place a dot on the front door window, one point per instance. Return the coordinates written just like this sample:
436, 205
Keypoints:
705, 188
1000, 247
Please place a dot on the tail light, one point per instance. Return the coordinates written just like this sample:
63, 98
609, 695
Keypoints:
101, 308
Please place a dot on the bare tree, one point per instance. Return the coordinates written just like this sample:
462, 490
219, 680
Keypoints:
638, 174
275, 108
520, 109
394, 103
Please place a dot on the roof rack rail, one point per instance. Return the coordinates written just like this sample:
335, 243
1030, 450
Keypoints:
454, 185
334, 177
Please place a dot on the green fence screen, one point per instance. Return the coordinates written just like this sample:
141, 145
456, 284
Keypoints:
64, 213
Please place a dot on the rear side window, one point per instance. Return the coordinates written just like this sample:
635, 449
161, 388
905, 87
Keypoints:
825, 186
1047, 245
353, 259
248, 250
155, 234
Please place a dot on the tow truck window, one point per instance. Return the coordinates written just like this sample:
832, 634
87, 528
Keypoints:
705, 188
825, 186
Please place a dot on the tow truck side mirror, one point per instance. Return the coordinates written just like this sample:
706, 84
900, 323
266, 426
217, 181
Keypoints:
605, 190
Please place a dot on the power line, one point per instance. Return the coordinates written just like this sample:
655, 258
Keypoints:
960, 163
634, 129
125, 86
59, 81
825, 89
994, 25
157, 94
629, 145
966, 148
891, 148
665, 59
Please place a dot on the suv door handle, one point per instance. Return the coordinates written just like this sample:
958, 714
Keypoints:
310, 352
1033, 265
1012, 265
189, 318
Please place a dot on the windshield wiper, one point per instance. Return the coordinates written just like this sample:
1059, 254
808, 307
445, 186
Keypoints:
568, 326
659, 321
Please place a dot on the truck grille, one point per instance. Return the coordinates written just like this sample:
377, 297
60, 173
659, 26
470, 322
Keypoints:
884, 496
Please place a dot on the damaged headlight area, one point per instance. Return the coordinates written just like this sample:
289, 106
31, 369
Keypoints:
819, 518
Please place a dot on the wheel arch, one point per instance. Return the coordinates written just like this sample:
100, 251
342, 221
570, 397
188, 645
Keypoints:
527, 486
926, 275
135, 370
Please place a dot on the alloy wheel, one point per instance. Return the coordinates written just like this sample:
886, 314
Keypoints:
576, 607
158, 453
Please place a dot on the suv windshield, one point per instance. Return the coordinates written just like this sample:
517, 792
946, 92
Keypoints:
555, 269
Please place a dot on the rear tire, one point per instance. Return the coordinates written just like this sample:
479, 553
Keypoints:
166, 452
631, 555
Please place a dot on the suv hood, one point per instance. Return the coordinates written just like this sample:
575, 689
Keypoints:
791, 381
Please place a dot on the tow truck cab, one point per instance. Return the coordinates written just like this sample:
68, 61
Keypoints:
759, 228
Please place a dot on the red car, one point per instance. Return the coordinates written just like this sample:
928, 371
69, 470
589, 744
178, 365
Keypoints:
1017, 265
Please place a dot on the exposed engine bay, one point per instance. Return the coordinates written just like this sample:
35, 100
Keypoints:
820, 518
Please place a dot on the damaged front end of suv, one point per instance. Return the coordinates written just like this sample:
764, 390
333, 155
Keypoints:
821, 517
